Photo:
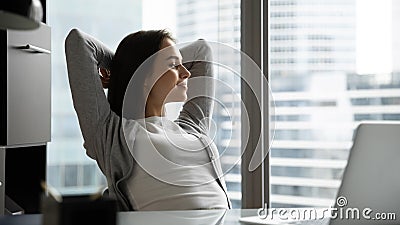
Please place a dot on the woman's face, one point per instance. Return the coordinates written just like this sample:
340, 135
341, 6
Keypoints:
171, 75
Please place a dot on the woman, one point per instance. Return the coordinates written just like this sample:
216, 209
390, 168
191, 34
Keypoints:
150, 162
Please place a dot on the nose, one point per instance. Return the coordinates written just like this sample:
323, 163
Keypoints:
183, 72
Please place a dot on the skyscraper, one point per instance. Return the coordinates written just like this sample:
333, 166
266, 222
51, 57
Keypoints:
312, 49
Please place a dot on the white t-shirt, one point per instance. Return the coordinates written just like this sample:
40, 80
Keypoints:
173, 170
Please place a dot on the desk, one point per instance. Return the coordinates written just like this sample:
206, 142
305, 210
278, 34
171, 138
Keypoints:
189, 217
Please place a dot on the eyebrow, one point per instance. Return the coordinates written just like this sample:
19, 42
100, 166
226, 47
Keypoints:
173, 57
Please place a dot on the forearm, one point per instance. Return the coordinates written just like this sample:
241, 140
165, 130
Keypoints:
197, 56
84, 55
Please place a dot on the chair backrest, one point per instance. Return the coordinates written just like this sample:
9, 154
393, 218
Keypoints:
372, 176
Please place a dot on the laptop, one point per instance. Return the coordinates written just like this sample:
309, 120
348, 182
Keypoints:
371, 180
370, 188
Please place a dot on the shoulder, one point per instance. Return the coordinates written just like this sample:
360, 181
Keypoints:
74, 35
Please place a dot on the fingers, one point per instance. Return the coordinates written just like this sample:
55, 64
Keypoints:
105, 72
104, 75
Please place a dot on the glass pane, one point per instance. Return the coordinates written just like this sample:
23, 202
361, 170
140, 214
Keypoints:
89, 176
332, 65
110, 22
70, 178
103, 19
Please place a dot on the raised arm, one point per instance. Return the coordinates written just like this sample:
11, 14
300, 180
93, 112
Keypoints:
197, 58
84, 56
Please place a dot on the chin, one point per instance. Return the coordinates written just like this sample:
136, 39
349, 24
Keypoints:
176, 95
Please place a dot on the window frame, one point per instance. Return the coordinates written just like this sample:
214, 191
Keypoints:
254, 43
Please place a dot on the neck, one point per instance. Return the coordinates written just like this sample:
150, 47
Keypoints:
154, 109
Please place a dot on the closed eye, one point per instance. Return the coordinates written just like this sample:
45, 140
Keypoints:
175, 62
174, 66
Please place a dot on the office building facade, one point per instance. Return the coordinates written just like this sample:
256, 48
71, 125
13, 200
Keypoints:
319, 97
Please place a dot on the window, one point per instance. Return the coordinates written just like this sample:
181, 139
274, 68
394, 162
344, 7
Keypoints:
332, 65
69, 169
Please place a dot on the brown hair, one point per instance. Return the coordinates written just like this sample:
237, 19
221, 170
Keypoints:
131, 52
